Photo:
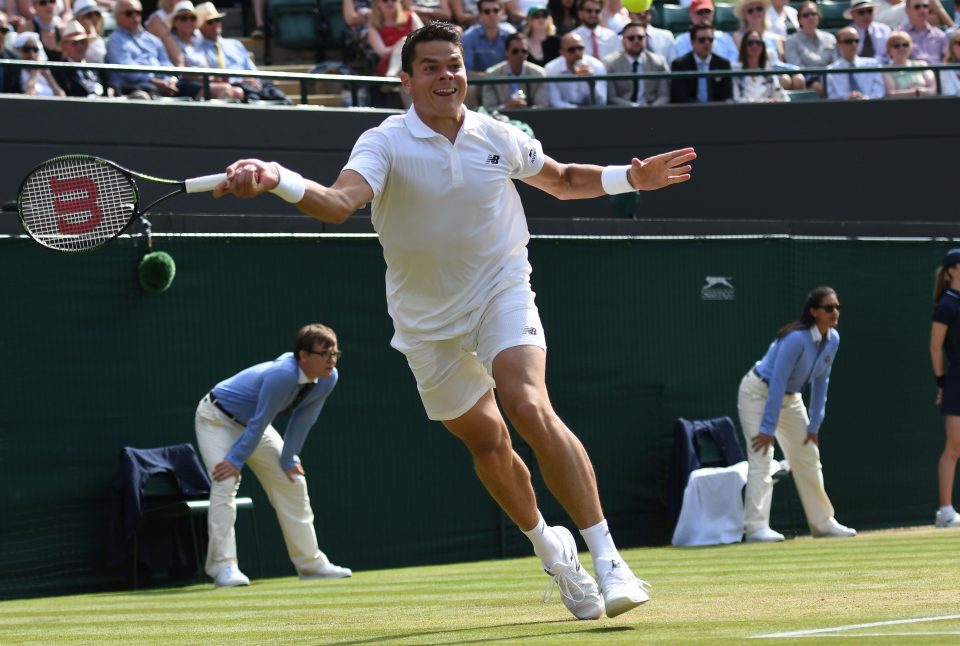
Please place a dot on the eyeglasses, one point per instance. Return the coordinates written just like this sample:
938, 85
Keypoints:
590, 12
705, 39
575, 48
130, 13
540, 14
754, 43
700, 12
753, 9
327, 354
918, 7
809, 14
487, 12
900, 45
849, 41
829, 309
29, 50
634, 37
517, 50
44, 3
186, 16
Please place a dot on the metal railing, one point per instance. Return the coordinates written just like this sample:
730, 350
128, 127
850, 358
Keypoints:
354, 82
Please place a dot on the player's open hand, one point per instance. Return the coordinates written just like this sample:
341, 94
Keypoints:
249, 178
225, 470
295, 470
661, 170
761, 442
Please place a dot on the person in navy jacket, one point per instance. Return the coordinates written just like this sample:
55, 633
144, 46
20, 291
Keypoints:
945, 340
771, 410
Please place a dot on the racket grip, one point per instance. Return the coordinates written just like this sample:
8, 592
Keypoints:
205, 183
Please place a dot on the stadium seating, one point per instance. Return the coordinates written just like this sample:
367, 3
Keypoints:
676, 18
725, 20
831, 15
296, 23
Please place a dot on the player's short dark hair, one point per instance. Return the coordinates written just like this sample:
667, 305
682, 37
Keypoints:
442, 31
310, 335
697, 28
512, 38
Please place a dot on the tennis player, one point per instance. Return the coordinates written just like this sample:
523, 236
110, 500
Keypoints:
454, 237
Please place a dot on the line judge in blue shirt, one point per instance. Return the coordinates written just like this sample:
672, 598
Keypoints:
771, 409
234, 427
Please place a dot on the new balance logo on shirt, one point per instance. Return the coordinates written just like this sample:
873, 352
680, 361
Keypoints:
493, 159
532, 331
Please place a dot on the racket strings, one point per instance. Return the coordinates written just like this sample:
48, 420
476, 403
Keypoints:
76, 204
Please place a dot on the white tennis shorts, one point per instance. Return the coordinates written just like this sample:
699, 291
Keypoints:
453, 374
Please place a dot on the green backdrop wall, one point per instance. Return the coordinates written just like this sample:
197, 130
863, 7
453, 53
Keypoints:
92, 364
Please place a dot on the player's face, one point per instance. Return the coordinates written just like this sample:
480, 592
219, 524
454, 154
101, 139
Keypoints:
438, 84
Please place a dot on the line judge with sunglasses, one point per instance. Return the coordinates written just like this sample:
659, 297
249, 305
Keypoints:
234, 425
771, 410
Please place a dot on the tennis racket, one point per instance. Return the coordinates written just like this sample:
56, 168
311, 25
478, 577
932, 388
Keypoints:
80, 202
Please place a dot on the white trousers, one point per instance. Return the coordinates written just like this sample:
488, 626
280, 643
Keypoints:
216, 434
804, 459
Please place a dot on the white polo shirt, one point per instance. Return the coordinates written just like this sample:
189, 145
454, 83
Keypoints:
449, 218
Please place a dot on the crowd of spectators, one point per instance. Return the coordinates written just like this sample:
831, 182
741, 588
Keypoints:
517, 39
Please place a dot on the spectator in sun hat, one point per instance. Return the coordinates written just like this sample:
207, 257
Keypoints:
158, 24
873, 34
703, 11
542, 38
183, 20
74, 42
34, 81
89, 14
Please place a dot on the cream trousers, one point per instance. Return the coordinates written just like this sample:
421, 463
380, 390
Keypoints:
804, 459
216, 434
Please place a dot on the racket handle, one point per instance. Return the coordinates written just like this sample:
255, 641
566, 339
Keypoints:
205, 183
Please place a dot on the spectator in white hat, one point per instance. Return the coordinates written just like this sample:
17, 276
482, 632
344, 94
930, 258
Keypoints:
34, 81
184, 28
873, 34
90, 15
75, 41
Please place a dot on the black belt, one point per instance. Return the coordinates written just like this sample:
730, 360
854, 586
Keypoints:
764, 380
215, 402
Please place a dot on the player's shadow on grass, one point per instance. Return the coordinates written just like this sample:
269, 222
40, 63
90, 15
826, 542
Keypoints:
490, 639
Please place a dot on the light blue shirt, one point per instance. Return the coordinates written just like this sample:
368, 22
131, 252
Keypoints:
260, 393
480, 53
869, 84
124, 48
723, 45
791, 363
235, 55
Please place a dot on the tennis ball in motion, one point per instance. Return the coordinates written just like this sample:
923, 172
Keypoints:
156, 271
637, 6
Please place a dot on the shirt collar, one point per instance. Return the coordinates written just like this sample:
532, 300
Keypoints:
302, 378
419, 129
698, 60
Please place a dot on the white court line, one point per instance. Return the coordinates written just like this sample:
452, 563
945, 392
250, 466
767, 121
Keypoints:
874, 624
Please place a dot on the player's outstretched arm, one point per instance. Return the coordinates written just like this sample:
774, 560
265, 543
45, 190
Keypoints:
249, 178
578, 181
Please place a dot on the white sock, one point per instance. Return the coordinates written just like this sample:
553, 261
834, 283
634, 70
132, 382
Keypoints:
948, 511
602, 550
545, 545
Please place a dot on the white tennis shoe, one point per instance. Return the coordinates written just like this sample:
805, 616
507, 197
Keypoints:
230, 577
328, 571
947, 520
622, 590
578, 590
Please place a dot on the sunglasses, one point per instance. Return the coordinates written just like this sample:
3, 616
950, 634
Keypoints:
849, 41
575, 48
185, 17
29, 49
540, 14
700, 12
705, 39
829, 309
487, 12
44, 3
753, 9
517, 50
212, 21
754, 43
900, 45
918, 7
809, 14
634, 37
590, 11
130, 13
864, 12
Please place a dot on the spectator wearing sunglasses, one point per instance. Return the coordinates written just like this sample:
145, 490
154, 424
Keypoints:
573, 60
234, 426
755, 89
633, 58
811, 46
702, 89
77, 82
658, 41
485, 44
929, 42
772, 412
906, 83
542, 39
860, 85
702, 11
158, 24
184, 20
944, 333
48, 24
753, 17
34, 81
131, 44
873, 34
599, 40
87, 12
517, 94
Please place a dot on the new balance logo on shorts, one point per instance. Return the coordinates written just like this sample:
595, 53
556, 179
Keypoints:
528, 329
493, 159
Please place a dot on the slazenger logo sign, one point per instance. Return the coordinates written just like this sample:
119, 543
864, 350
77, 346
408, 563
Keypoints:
718, 288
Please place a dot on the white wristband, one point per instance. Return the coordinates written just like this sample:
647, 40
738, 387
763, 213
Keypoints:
291, 187
615, 181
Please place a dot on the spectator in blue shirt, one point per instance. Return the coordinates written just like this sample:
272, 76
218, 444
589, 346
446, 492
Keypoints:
945, 339
234, 424
131, 44
771, 410
484, 44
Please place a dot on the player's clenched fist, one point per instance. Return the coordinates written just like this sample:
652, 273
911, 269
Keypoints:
249, 178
